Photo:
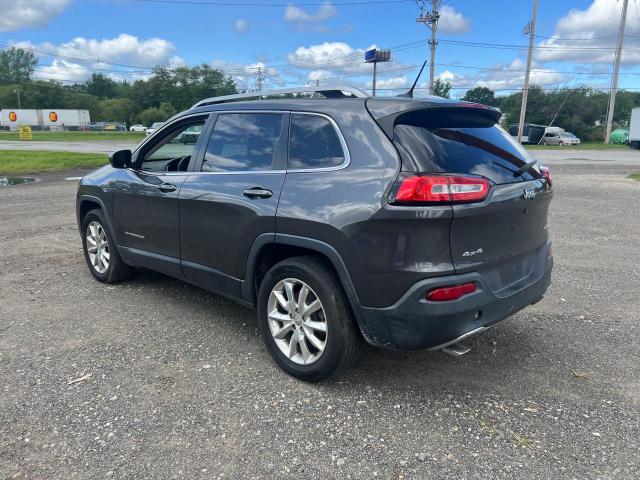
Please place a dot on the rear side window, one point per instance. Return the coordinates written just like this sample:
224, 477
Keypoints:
478, 149
314, 143
243, 142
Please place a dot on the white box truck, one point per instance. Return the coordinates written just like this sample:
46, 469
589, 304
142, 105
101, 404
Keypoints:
634, 129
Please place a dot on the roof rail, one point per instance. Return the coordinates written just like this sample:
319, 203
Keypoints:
329, 91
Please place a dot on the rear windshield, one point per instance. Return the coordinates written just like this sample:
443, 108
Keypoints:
462, 145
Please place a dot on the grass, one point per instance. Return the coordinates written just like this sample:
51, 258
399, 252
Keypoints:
582, 146
76, 136
523, 441
21, 161
635, 176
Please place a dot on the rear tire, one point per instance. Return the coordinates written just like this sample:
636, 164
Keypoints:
323, 342
545, 143
100, 250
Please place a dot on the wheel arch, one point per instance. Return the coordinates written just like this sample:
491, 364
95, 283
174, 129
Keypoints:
268, 249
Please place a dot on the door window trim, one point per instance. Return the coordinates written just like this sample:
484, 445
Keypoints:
197, 149
283, 144
345, 148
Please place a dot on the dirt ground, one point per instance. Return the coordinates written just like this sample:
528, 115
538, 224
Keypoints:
177, 383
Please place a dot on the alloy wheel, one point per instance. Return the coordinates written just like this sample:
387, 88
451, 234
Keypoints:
297, 321
97, 247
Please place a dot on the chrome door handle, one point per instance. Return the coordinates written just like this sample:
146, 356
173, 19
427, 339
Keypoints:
257, 193
167, 187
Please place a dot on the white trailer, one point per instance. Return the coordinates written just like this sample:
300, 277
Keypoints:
65, 118
47, 118
634, 129
13, 118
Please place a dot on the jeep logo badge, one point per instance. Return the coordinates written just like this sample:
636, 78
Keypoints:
529, 194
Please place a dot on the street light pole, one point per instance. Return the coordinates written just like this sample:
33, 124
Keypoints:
17, 92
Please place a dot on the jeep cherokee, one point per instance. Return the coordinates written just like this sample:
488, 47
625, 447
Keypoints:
411, 223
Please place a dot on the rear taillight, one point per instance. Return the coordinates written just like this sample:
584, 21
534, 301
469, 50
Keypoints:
441, 189
546, 173
453, 292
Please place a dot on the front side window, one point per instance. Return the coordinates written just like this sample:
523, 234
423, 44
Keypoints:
314, 143
243, 142
173, 151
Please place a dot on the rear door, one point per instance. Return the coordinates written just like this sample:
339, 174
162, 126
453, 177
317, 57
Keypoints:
506, 229
231, 197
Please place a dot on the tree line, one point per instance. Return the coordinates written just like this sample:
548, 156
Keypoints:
581, 110
165, 93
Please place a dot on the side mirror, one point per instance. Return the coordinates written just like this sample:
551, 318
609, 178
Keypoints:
120, 159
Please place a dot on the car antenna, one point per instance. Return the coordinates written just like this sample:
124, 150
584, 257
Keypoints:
409, 93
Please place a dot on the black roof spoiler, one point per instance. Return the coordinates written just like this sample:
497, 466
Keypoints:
387, 112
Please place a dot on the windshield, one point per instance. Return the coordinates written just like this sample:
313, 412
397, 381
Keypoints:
156, 125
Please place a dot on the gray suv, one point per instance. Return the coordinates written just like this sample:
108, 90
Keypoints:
410, 223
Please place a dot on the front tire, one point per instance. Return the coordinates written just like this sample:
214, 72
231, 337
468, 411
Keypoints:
305, 320
100, 252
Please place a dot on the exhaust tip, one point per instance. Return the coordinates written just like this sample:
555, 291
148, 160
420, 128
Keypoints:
456, 350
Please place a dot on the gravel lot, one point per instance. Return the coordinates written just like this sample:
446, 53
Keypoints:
180, 385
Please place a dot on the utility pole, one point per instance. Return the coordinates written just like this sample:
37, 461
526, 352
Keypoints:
525, 90
430, 19
17, 92
259, 80
616, 68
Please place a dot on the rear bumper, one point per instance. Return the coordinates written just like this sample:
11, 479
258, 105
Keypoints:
414, 323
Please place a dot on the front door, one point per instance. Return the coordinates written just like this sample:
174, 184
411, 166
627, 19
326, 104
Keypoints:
146, 208
231, 197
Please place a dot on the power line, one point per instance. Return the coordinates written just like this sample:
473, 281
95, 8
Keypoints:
261, 4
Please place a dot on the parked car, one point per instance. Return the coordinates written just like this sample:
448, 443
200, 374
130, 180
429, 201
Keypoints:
410, 223
560, 138
137, 128
154, 127
190, 135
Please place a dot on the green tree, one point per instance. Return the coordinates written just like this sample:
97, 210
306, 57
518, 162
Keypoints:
156, 114
441, 88
16, 65
482, 95
101, 86
114, 109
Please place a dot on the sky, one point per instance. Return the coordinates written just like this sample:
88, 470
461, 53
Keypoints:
481, 43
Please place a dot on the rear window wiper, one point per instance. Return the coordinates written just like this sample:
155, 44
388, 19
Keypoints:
524, 168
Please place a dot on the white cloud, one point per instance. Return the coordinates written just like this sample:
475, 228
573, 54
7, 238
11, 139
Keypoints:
303, 20
452, 21
333, 56
17, 14
122, 49
245, 75
506, 76
393, 82
298, 15
598, 24
77, 59
240, 25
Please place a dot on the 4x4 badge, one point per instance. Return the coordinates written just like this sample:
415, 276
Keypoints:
529, 194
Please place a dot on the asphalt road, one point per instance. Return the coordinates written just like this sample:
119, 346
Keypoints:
550, 156
177, 383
